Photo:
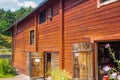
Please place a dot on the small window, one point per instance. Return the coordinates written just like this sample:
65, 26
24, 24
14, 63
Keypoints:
43, 16
105, 2
101, 1
31, 37
50, 13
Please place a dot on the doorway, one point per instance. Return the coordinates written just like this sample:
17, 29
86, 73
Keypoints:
51, 61
47, 64
104, 58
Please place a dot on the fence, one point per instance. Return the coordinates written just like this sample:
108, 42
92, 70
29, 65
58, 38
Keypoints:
8, 56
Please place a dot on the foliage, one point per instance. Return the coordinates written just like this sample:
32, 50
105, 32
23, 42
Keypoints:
8, 17
113, 72
6, 67
58, 74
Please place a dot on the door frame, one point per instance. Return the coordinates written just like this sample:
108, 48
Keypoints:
95, 40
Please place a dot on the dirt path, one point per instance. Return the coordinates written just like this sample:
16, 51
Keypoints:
19, 77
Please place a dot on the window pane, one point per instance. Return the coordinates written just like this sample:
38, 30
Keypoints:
43, 16
101, 1
32, 37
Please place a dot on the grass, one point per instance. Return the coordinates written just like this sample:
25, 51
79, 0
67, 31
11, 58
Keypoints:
5, 44
7, 76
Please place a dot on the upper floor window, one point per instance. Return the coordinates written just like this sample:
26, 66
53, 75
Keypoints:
43, 16
31, 37
105, 2
50, 13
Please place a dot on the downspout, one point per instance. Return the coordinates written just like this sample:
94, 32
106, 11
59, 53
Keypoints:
61, 34
36, 25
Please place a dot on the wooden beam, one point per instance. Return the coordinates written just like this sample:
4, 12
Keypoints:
61, 37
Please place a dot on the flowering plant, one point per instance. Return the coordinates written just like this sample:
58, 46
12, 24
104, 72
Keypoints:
113, 72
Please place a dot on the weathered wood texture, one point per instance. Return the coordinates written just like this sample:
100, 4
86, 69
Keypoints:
55, 60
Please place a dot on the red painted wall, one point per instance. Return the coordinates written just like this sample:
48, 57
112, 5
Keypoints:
82, 19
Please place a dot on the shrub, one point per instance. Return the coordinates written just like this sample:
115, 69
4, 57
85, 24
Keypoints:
6, 67
59, 74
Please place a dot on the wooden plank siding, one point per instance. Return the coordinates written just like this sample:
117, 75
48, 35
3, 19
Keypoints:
22, 43
73, 21
49, 31
84, 19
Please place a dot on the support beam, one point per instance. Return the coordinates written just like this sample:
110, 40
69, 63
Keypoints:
61, 38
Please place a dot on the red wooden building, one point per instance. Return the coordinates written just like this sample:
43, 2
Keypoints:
70, 34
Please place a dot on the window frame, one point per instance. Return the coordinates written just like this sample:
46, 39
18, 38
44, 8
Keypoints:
99, 4
32, 37
41, 16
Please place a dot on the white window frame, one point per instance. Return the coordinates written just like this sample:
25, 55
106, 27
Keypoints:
104, 3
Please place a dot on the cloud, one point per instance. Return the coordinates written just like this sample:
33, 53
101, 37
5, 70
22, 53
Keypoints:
28, 3
15, 4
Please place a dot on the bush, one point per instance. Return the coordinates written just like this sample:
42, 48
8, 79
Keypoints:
6, 67
58, 74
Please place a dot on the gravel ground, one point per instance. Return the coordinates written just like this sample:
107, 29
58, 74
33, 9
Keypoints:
19, 77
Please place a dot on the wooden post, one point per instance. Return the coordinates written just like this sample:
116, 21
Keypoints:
14, 34
61, 39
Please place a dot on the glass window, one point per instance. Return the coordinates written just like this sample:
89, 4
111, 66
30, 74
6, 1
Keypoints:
43, 16
105, 2
31, 37
101, 1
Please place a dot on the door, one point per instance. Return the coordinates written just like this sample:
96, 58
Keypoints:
83, 66
37, 65
83, 61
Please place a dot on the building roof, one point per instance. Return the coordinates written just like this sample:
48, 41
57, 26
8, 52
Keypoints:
11, 26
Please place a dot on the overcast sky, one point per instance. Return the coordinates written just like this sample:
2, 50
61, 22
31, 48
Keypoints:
16, 4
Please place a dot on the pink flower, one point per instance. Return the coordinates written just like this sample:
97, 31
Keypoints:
118, 77
114, 75
107, 45
106, 68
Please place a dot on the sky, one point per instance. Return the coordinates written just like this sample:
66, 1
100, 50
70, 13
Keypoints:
14, 5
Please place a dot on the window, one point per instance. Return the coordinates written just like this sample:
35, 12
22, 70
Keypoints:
101, 1
105, 2
43, 16
31, 37
50, 13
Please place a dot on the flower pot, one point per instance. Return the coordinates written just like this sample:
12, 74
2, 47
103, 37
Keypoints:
105, 77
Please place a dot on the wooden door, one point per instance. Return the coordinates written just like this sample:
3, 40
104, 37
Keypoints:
86, 66
37, 65
83, 66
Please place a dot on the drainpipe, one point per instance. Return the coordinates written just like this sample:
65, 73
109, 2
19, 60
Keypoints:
61, 34
36, 33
